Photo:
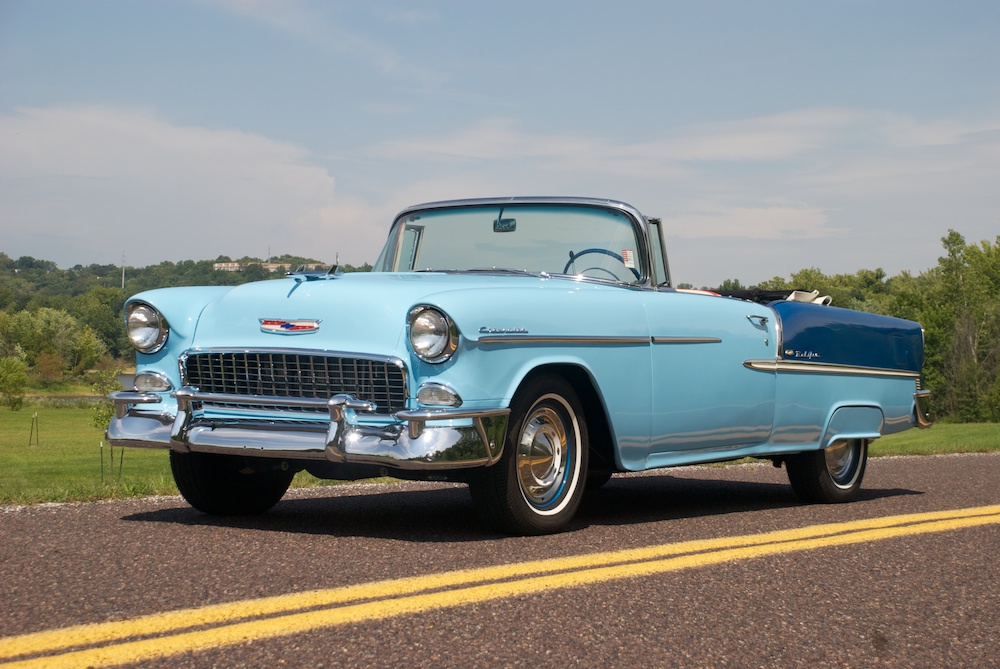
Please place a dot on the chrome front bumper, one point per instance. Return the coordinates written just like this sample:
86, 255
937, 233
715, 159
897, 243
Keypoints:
408, 442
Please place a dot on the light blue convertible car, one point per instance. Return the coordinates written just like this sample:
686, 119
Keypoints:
530, 347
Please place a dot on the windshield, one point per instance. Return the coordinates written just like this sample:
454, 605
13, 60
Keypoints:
556, 239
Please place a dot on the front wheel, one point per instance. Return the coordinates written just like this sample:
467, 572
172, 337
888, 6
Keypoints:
229, 485
537, 486
830, 475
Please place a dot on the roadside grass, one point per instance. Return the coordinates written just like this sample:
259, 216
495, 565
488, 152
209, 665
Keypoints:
59, 457
941, 439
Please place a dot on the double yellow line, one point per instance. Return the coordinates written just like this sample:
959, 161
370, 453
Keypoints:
164, 634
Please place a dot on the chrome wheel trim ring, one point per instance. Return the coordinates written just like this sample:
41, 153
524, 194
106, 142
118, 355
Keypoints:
843, 462
545, 465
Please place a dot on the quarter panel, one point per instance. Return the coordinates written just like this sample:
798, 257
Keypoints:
832, 335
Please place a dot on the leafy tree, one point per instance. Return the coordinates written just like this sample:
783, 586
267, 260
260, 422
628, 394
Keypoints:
55, 332
100, 309
13, 380
731, 284
49, 368
27, 262
294, 261
104, 409
966, 320
255, 272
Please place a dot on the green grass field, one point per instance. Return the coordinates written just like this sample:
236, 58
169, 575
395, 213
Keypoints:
940, 439
59, 457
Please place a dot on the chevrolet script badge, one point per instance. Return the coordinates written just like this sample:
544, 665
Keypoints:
281, 326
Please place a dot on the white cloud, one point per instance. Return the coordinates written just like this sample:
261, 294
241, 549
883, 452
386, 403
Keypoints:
486, 143
769, 138
825, 173
87, 183
776, 219
312, 25
83, 184
766, 138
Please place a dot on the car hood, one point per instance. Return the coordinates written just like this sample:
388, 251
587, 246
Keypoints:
362, 312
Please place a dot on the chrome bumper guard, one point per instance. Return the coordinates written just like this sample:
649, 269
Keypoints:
921, 398
408, 443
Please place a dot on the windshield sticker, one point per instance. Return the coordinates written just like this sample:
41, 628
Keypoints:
628, 257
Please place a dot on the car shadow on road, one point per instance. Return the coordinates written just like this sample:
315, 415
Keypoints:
446, 514
645, 499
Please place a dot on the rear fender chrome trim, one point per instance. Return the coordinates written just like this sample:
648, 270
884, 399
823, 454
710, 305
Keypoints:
686, 340
824, 368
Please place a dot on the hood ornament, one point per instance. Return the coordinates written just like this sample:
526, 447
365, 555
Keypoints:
302, 274
296, 326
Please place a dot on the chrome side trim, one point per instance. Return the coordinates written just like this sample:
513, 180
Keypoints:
568, 340
595, 340
823, 368
686, 340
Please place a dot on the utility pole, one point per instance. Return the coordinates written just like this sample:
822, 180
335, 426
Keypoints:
123, 270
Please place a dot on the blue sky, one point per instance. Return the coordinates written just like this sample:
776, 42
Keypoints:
770, 136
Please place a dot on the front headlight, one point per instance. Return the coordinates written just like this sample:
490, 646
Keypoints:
147, 328
433, 336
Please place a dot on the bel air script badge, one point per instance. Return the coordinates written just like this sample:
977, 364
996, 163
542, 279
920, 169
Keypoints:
802, 355
281, 326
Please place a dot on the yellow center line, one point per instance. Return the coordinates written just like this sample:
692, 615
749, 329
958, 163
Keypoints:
227, 624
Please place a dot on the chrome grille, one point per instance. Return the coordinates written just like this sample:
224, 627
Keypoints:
288, 374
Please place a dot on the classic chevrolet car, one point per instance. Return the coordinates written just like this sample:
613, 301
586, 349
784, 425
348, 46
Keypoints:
529, 347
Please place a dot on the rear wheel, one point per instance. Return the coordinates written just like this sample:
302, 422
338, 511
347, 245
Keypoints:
228, 485
537, 485
830, 475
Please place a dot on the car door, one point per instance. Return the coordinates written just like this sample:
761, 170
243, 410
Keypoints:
705, 400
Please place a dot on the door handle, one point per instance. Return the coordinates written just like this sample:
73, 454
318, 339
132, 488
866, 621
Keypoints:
758, 321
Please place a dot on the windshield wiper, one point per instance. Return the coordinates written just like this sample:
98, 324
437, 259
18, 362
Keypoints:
482, 270
501, 270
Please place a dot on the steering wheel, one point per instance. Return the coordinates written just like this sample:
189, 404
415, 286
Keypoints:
573, 257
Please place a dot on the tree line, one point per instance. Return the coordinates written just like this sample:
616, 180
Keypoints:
57, 324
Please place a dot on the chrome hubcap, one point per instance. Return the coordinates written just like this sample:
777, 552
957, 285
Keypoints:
842, 462
542, 456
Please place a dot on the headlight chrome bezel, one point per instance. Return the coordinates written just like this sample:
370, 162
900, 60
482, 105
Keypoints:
141, 316
438, 395
152, 382
432, 334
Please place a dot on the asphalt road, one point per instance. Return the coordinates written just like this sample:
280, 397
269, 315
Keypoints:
691, 567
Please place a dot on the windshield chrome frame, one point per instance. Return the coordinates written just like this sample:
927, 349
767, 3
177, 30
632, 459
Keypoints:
638, 221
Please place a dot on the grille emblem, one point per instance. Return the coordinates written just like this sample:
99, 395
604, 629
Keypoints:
281, 326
